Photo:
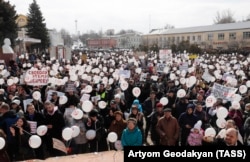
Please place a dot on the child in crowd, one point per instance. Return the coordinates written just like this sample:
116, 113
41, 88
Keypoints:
196, 135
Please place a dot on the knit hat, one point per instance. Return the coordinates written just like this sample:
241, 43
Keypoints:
15, 101
159, 104
190, 106
93, 113
197, 126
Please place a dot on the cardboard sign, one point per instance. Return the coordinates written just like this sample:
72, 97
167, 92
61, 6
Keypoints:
193, 56
160, 67
165, 55
37, 77
59, 145
223, 92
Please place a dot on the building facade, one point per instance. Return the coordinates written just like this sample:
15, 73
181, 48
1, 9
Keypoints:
104, 43
129, 41
219, 36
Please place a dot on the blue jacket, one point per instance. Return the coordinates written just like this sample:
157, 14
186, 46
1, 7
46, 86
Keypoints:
131, 138
137, 102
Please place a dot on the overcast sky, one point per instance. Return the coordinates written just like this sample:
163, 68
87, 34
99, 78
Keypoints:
139, 15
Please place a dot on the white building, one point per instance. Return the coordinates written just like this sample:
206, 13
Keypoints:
129, 40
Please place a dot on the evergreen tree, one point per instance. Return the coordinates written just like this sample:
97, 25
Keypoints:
36, 27
8, 26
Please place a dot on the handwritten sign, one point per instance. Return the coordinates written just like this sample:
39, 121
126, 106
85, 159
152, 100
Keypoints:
37, 77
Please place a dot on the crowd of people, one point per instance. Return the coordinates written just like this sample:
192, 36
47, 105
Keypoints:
136, 118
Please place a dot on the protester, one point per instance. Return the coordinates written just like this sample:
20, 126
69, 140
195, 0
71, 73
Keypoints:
168, 128
155, 138
3, 152
35, 119
117, 126
131, 135
187, 121
149, 106
135, 113
20, 141
95, 122
230, 139
214, 75
55, 123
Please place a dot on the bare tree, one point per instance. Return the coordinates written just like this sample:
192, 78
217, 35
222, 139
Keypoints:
224, 17
110, 32
169, 26
248, 17
66, 37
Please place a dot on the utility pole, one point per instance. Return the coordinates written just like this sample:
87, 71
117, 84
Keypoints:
149, 25
76, 28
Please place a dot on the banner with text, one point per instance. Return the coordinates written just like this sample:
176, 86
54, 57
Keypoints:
36, 77
166, 55
223, 92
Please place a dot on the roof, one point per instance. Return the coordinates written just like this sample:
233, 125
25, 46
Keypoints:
29, 40
208, 28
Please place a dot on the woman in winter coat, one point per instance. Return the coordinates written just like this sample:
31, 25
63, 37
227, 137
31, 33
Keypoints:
131, 136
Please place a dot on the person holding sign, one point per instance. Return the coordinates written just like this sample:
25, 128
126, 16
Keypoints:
55, 123
32, 116
20, 140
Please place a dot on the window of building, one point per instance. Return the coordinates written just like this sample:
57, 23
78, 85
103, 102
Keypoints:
193, 38
210, 36
246, 35
173, 39
221, 36
232, 36
188, 38
199, 37
178, 39
182, 38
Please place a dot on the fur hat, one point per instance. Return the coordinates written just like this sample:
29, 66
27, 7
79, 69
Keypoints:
190, 106
118, 112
